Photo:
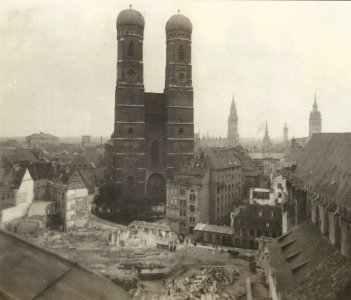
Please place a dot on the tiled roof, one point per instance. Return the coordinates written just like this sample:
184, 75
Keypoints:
40, 170
307, 266
11, 178
325, 163
267, 155
221, 158
30, 272
214, 228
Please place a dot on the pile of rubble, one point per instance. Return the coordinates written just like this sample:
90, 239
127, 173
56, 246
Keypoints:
208, 282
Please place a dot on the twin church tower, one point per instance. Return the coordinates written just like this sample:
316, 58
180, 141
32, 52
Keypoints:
153, 132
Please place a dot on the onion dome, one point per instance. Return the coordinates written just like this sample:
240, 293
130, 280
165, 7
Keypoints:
130, 17
179, 22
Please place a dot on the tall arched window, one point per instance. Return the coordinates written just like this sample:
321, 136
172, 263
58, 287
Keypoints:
130, 51
181, 53
155, 152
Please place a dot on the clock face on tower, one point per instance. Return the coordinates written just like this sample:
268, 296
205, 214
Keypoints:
181, 76
131, 72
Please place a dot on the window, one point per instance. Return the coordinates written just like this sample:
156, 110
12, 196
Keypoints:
267, 225
181, 131
181, 53
130, 131
192, 208
192, 195
260, 213
130, 51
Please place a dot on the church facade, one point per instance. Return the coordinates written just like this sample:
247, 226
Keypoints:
153, 132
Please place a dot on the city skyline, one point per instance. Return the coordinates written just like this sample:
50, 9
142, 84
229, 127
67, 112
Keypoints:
59, 64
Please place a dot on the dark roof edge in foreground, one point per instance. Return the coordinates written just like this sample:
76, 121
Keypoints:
50, 252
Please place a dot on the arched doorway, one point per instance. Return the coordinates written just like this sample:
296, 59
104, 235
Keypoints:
156, 189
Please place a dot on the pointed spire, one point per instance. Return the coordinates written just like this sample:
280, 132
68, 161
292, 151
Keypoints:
233, 113
315, 105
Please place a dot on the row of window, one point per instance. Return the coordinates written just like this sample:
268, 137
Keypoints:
6, 196
227, 187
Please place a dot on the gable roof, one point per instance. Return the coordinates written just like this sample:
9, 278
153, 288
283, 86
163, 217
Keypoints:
28, 271
11, 178
306, 266
325, 163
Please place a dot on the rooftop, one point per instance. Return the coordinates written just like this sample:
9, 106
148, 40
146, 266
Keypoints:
307, 266
31, 272
222, 158
325, 163
11, 178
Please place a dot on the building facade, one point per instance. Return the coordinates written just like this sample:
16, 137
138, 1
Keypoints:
254, 221
206, 191
315, 121
188, 199
41, 139
153, 132
70, 194
16, 193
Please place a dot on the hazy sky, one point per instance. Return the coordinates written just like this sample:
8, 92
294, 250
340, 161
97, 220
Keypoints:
58, 64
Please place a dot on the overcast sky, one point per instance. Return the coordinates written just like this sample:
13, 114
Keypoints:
58, 64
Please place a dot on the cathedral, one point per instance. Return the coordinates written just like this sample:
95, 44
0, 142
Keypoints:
153, 132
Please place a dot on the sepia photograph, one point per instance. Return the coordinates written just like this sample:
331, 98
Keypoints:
175, 150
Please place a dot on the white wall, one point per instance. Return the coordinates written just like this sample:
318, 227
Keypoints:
23, 197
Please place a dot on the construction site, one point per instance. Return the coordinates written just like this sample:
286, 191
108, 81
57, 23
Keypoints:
149, 262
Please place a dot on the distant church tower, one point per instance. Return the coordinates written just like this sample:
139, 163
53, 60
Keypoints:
233, 135
315, 122
266, 142
285, 134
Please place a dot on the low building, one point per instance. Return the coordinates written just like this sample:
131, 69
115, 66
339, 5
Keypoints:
159, 229
254, 221
16, 193
262, 196
41, 139
213, 234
